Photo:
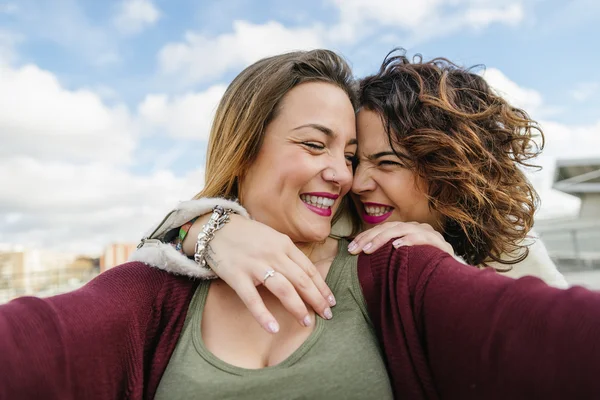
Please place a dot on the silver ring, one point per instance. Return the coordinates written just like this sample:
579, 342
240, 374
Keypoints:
270, 272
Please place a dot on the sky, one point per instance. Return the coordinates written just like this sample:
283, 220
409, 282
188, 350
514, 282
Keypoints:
105, 106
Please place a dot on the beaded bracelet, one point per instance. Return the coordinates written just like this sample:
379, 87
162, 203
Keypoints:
183, 231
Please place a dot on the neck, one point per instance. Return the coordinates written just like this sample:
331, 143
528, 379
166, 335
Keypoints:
317, 251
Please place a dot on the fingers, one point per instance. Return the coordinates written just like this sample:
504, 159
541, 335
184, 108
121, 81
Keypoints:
282, 288
364, 238
364, 241
309, 269
306, 281
251, 298
383, 237
406, 234
414, 239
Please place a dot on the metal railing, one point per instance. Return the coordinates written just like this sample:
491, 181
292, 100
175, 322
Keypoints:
43, 283
573, 245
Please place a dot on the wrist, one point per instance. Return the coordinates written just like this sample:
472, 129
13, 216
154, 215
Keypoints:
189, 243
218, 219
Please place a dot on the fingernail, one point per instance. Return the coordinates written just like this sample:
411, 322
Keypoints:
331, 300
327, 313
352, 246
367, 246
307, 321
273, 327
397, 243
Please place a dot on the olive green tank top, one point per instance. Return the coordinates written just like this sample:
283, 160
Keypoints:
340, 359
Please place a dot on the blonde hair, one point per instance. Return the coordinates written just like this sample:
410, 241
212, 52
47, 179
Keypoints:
251, 102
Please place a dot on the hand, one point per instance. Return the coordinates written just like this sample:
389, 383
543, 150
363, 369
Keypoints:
244, 250
407, 234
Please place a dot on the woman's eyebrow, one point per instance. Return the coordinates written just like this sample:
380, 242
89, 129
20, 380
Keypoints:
375, 156
328, 132
398, 155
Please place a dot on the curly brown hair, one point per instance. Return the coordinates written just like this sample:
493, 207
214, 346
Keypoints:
468, 144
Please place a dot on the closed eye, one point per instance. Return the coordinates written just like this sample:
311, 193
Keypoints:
389, 163
314, 145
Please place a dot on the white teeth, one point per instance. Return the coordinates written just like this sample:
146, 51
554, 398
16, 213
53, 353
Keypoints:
316, 201
376, 211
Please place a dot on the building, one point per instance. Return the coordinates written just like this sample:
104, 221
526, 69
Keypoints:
574, 243
41, 272
115, 254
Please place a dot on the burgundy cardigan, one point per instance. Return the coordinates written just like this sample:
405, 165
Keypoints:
447, 331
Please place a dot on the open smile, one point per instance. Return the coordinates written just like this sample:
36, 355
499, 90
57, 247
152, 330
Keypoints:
319, 203
375, 213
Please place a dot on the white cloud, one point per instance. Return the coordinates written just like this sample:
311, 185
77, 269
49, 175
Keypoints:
585, 91
64, 158
562, 142
407, 14
561, 138
421, 20
134, 16
40, 118
528, 99
188, 116
200, 58
512, 14
58, 205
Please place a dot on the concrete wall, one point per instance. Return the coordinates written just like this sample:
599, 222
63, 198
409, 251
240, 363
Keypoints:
590, 206
588, 279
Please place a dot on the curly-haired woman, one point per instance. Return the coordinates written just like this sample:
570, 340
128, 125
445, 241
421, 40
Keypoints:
437, 145
440, 162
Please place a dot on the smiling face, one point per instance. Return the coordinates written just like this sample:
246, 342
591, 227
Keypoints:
386, 188
303, 168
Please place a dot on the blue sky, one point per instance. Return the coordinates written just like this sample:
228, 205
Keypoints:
105, 106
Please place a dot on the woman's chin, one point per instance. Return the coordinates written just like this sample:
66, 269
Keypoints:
314, 237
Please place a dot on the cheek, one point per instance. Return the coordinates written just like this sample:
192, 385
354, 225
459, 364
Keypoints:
398, 186
293, 168
402, 190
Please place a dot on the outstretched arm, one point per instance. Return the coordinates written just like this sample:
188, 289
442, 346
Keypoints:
466, 333
98, 342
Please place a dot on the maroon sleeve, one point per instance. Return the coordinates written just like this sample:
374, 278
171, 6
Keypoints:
87, 344
453, 331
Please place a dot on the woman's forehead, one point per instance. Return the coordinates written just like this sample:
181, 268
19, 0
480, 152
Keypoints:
318, 104
371, 133
373, 138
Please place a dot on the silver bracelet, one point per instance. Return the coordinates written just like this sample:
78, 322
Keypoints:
218, 219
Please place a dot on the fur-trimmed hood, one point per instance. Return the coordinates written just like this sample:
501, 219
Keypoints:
154, 252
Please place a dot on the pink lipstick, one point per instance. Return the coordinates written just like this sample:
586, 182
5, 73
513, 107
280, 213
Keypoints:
325, 212
321, 207
374, 220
